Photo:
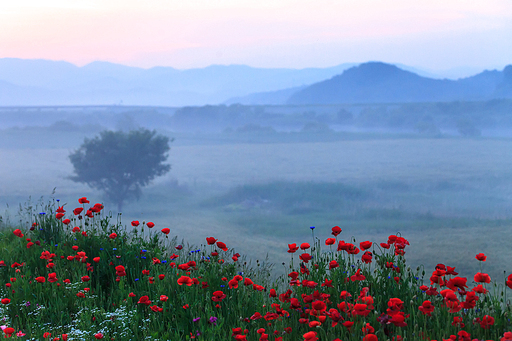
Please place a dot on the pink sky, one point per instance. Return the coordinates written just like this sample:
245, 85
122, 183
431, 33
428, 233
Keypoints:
431, 34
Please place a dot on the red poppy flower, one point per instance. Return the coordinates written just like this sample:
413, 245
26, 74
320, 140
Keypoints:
18, 233
344, 294
144, 300
306, 257
218, 296
6, 301
451, 271
113, 236
367, 257
47, 335
120, 271
457, 282
319, 306
135, 223
85, 278
9, 331
336, 230
166, 230
365, 245
233, 284
348, 324
156, 309
211, 240
304, 246
52, 277
98, 336
509, 281
248, 281
486, 322
384, 245
78, 210
292, 248
222, 246
507, 336
357, 276
480, 289
333, 264
185, 280
314, 324
482, 278
40, 279
150, 224
83, 200
426, 308
310, 336
59, 215
360, 309
330, 241
66, 221
161, 276
60, 209
96, 208
163, 298
370, 337
96, 259
481, 257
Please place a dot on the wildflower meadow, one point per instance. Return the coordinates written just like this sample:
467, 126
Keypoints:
79, 273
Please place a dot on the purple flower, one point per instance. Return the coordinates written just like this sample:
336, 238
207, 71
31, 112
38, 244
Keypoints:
196, 319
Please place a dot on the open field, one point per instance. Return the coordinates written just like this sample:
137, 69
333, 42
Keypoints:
451, 196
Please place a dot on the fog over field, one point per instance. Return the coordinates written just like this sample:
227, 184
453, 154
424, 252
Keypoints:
259, 187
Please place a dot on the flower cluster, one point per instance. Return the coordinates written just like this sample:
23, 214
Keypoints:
109, 279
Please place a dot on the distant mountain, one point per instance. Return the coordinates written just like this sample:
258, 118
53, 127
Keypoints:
278, 97
43, 82
376, 82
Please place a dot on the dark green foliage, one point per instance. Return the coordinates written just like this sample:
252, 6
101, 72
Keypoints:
120, 163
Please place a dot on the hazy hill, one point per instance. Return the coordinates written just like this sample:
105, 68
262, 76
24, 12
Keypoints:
377, 82
43, 82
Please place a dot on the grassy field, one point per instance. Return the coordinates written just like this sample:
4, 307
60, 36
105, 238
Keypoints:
450, 196
88, 278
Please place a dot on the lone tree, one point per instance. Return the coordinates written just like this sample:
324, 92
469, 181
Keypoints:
120, 163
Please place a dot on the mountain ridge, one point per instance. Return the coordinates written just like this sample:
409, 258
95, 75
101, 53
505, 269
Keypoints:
377, 82
44, 82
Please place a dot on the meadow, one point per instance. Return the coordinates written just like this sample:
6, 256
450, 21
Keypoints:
77, 273
449, 195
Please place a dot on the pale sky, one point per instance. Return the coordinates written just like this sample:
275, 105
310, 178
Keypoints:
431, 34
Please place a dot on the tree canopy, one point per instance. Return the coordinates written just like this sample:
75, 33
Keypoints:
121, 163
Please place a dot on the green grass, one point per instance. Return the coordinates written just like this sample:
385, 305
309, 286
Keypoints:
103, 304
